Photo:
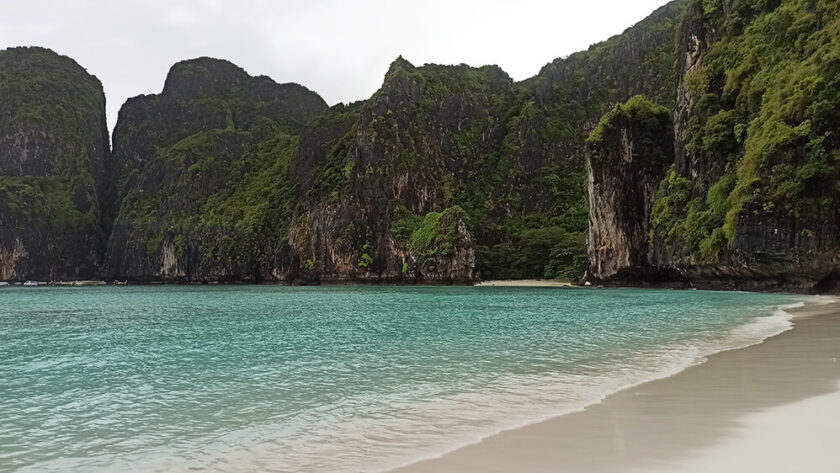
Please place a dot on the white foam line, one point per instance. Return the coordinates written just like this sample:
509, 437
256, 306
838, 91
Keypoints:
752, 333
825, 300
795, 305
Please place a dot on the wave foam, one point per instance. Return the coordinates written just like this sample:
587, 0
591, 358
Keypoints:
674, 361
434, 426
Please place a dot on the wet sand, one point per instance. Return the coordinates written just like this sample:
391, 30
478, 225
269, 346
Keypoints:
771, 407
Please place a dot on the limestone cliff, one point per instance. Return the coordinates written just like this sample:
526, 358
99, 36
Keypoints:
507, 158
396, 172
446, 174
757, 182
53, 152
751, 201
629, 153
201, 172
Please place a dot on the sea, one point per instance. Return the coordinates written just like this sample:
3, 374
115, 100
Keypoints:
330, 379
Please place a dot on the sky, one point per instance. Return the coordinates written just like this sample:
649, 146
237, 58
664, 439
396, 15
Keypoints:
338, 48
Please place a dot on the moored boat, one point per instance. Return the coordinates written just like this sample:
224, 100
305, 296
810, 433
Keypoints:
88, 283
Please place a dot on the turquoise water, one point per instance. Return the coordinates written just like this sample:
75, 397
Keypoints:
342, 379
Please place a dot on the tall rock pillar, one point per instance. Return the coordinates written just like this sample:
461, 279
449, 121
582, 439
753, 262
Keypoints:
629, 153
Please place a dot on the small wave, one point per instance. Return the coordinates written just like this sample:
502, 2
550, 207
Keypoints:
825, 300
760, 329
428, 423
673, 360
795, 305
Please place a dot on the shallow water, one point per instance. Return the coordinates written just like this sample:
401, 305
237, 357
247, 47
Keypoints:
339, 379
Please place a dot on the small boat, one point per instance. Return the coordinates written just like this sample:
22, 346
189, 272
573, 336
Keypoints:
88, 283
30, 284
4, 284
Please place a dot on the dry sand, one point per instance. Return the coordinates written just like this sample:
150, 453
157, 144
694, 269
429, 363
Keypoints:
772, 407
524, 283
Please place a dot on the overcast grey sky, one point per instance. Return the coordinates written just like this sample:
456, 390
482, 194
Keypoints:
340, 49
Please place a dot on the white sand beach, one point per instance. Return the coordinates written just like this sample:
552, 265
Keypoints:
771, 407
525, 283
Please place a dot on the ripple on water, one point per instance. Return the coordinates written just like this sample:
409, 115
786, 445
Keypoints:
328, 379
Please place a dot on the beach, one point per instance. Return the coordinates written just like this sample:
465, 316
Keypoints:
770, 407
524, 283
367, 379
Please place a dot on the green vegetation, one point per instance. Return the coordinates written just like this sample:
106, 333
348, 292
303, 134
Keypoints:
205, 167
52, 129
365, 261
257, 210
638, 111
229, 193
546, 252
41, 88
696, 221
510, 156
46, 202
437, 235
765, 120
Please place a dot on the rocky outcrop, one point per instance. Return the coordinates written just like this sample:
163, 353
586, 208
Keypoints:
545, 146
629, 153
696, 37
202, 172
53, 152
751, 201
510, 156
415, 144
446, 174
778, 228
443, 248
200, 95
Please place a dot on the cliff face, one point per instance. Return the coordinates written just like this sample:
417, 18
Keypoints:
505, 161
53, 152
446, 174
381, 204
751, 200
541, 222
449, 173
761, 146
202, 176
629, 153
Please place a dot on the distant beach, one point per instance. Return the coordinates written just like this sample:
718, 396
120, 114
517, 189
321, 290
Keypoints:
770, 407
525, 283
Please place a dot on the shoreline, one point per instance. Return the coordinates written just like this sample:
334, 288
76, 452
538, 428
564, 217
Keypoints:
524, 283
488, 283
504, 283
695, 415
